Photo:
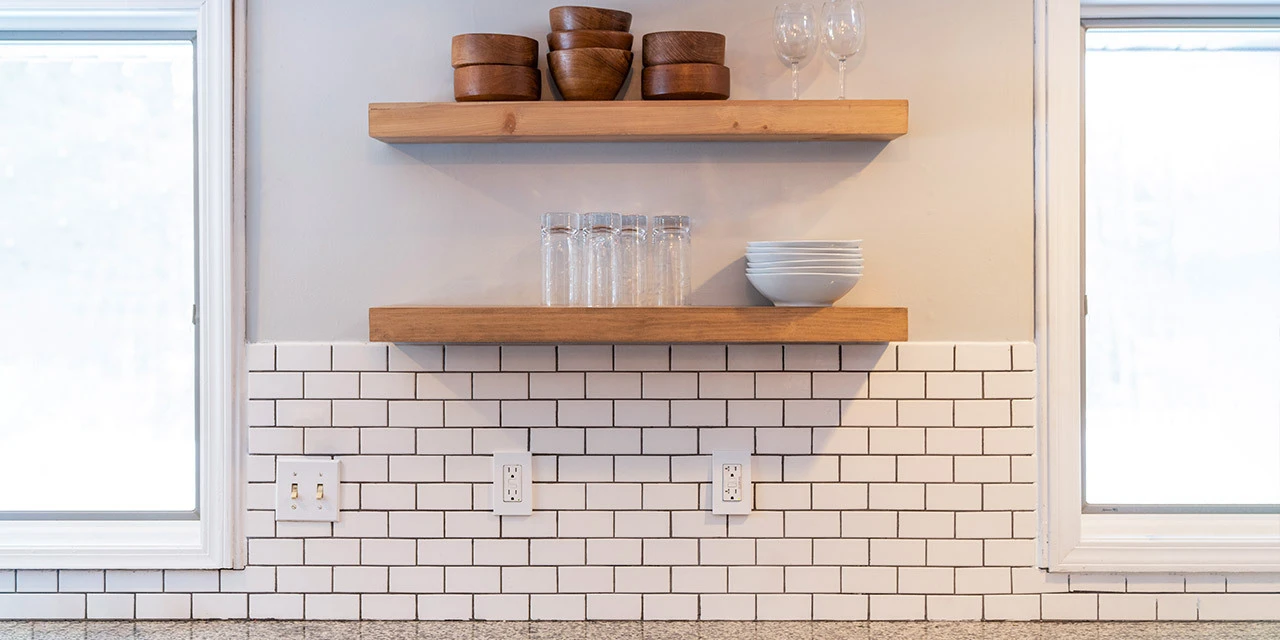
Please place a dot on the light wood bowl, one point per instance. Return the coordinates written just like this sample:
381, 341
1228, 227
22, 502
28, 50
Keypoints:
683, 47
573, 18
583, 38
592, 73
497, 83
685, 82
494, 48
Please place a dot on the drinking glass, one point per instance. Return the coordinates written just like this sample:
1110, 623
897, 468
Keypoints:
843, 31
795, 38
632, 254
671, 245
601, 230
561, 258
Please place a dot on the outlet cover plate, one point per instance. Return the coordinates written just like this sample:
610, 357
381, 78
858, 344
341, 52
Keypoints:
317, 480
722, 481
521, 462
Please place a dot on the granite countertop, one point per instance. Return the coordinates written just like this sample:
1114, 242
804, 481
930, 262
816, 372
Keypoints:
638, 631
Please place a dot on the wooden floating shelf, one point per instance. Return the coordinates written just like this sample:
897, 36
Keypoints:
638, 121
636, 325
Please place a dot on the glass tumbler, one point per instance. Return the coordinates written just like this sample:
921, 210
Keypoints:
632, 261
601, 233
671, 246
561, 260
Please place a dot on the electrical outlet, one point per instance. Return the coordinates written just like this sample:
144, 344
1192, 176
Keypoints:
731, 482
513, 483
307, 489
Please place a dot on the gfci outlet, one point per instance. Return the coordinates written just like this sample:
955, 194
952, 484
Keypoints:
307, 489
731, 482
513, 483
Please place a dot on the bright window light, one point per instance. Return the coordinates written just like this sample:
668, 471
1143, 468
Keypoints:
97, 276
1182, 254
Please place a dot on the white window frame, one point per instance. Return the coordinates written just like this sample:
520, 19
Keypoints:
216, 540
1071, 541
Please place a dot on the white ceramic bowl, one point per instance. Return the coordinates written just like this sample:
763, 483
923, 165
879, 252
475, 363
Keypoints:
805, 244
809, 253
835, 271
803, 289
832, 262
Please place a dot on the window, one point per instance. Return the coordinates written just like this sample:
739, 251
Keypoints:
120, 435
1158, 143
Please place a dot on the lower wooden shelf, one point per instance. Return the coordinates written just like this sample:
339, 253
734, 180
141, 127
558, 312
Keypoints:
637, 325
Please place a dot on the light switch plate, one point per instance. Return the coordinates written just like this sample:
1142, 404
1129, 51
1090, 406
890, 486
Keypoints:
512, 483
731, 492
307, 489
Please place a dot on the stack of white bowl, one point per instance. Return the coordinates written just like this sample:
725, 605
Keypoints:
804, 273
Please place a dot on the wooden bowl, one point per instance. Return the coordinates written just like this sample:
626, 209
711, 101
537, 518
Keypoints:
494, 48
593, 73
685, 82
496, 83
573, 18
683, 47
583, 38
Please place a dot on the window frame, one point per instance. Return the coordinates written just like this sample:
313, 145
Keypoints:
216, 539
1071, 540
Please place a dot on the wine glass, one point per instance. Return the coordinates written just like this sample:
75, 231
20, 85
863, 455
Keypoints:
843, 30
795, 38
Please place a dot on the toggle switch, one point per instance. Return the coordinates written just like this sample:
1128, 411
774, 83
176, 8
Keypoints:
294, 504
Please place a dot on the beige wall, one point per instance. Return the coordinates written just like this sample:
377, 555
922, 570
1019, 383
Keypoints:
339, 222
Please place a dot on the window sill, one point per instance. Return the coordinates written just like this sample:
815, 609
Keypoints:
107, 545
1174, 543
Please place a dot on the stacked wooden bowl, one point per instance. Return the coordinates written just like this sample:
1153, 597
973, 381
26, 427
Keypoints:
684, 65
495, 67
590, 53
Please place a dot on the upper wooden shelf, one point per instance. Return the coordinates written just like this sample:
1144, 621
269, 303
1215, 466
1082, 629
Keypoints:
636, 325
638, 121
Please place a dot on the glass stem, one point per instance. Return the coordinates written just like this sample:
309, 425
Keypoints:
843, 63
795, 80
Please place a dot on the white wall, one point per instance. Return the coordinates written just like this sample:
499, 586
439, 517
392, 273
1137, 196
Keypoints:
339, 222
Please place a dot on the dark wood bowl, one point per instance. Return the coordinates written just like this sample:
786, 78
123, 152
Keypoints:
497, 83
685, 82
494, 48
583, 38
593, 73
683, 47
573, 18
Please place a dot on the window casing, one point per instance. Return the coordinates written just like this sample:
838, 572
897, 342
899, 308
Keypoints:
1072, 540
213, 540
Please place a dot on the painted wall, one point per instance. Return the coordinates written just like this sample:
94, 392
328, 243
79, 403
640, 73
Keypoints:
339, 222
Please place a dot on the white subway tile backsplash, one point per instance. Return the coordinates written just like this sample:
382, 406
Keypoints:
635, 357
303, 357
926, 356
359, 357
528, 358
754, 357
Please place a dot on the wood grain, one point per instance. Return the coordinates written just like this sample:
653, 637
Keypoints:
685, 82
683, 47
493, 48
583, 38
594, 73
496, 82
638, 121
636, 325
573, 18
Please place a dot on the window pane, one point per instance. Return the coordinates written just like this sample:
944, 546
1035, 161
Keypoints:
97, 276
1182, 251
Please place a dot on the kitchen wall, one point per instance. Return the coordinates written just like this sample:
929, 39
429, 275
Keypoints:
339, 222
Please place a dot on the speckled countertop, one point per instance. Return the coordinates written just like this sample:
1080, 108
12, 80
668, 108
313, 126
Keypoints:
636, 631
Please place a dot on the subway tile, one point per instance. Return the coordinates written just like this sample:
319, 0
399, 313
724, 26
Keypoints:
755, 579
162, 606
304, 579
698, 413
694, 469
760, 524
789, 552
585, 469
955, 553
1024, 356
669, 606
253, 579
811, 413
1033, 580
361, 524
728, 551
1011, 607
926, 580
500, 386
388, 552
614, 441
641, 413
984, 524
726, 385
925, 469
840, 607
444, 441
840, 440
359, 357
1239, 606
331, 441
869, 579
669, 385
727, 607
528, 358
472, 358
274, 385
812, 579
445, 552
953, 385
1126, 606
983, 580
1009, 497
555, 386
584, 358
697, 524
128, 581
387, 386
898, 553
612, 496
192, 581
501, 552
755, 413
614, 552
869, 357
636, 357
897, 440
698, 357
415, 357
388, 607
46, 581
642, 579
444, 607
811, 524
953, 441
868, 413
811, 469
488, 441
471, 524
897, 607
1014, 384
925, 413
415, 413
642, 468
260, 356
375, 441
839, 385
944, 607
1009, 553
303, 357
557, 441
585, 579
1203, 583
982, 469
108, 606
868, 468
1177, 606
261, 413
699, 579
896, 385
473, 579
609, 606
926, 524
359, 413
983, 357
843, 552
585, 413
557, 553
557, 607
783, 385
726, 439
614, 386
319, 384
1014, 441
86, 581
839, 496
472, 413
585, 524
777, 496
665, 497
755, 357
647, 524
926, 356
1024, 413
1069, 606
443, 386
319, 551
983, 413
811, 357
